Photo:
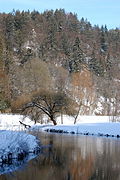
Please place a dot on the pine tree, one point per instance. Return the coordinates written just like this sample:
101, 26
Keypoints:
95, 65
103, 42
77, 57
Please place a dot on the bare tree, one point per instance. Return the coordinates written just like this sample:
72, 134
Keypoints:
83, 92
49, 103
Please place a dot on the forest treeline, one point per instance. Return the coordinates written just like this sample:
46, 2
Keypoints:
55, 51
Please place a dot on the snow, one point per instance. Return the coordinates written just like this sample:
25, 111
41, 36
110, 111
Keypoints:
92, 125
16, 142
117, 80
90, 128
68, 120
11, 122
85, 124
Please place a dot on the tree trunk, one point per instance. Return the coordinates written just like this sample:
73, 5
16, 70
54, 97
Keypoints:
75, 120
61, 118
53, 120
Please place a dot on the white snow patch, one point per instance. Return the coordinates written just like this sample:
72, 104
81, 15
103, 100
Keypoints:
15, 142
117, 80
91, 124
69, 120
11, 122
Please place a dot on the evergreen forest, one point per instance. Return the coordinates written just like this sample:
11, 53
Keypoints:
53, 63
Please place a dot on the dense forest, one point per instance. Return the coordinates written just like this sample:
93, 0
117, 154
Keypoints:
58, 62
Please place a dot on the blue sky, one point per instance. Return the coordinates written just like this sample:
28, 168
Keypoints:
99, 12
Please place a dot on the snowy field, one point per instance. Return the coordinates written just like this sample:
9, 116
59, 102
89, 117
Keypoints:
67, 120
11, 122
85, 124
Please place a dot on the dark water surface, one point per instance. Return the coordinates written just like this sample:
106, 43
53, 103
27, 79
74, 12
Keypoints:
70, 157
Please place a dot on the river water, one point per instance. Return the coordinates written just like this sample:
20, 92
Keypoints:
71, 157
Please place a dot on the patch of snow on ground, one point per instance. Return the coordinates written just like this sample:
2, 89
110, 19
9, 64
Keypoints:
67, 120
11, 122
85, 124
15, 145
16, 142
97, 125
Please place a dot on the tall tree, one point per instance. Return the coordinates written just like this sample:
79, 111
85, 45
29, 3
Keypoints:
77, 57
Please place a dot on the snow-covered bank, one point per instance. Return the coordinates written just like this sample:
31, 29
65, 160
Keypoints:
100, 129
14, 144
85, 124
11, 122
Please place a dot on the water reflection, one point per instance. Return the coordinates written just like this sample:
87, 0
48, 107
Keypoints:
73, 158
15, 164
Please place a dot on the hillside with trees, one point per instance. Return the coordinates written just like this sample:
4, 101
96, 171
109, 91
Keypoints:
68, 64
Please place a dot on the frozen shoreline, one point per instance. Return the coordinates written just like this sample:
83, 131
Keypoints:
86, 125
98, 129
16, 145
97, 125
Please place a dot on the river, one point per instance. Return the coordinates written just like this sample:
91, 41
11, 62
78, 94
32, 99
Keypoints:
71, 157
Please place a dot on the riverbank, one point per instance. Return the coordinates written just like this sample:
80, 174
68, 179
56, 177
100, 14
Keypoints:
86, 125
16, 145
109, 129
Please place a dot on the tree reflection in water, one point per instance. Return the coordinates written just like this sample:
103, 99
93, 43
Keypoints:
73, 158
